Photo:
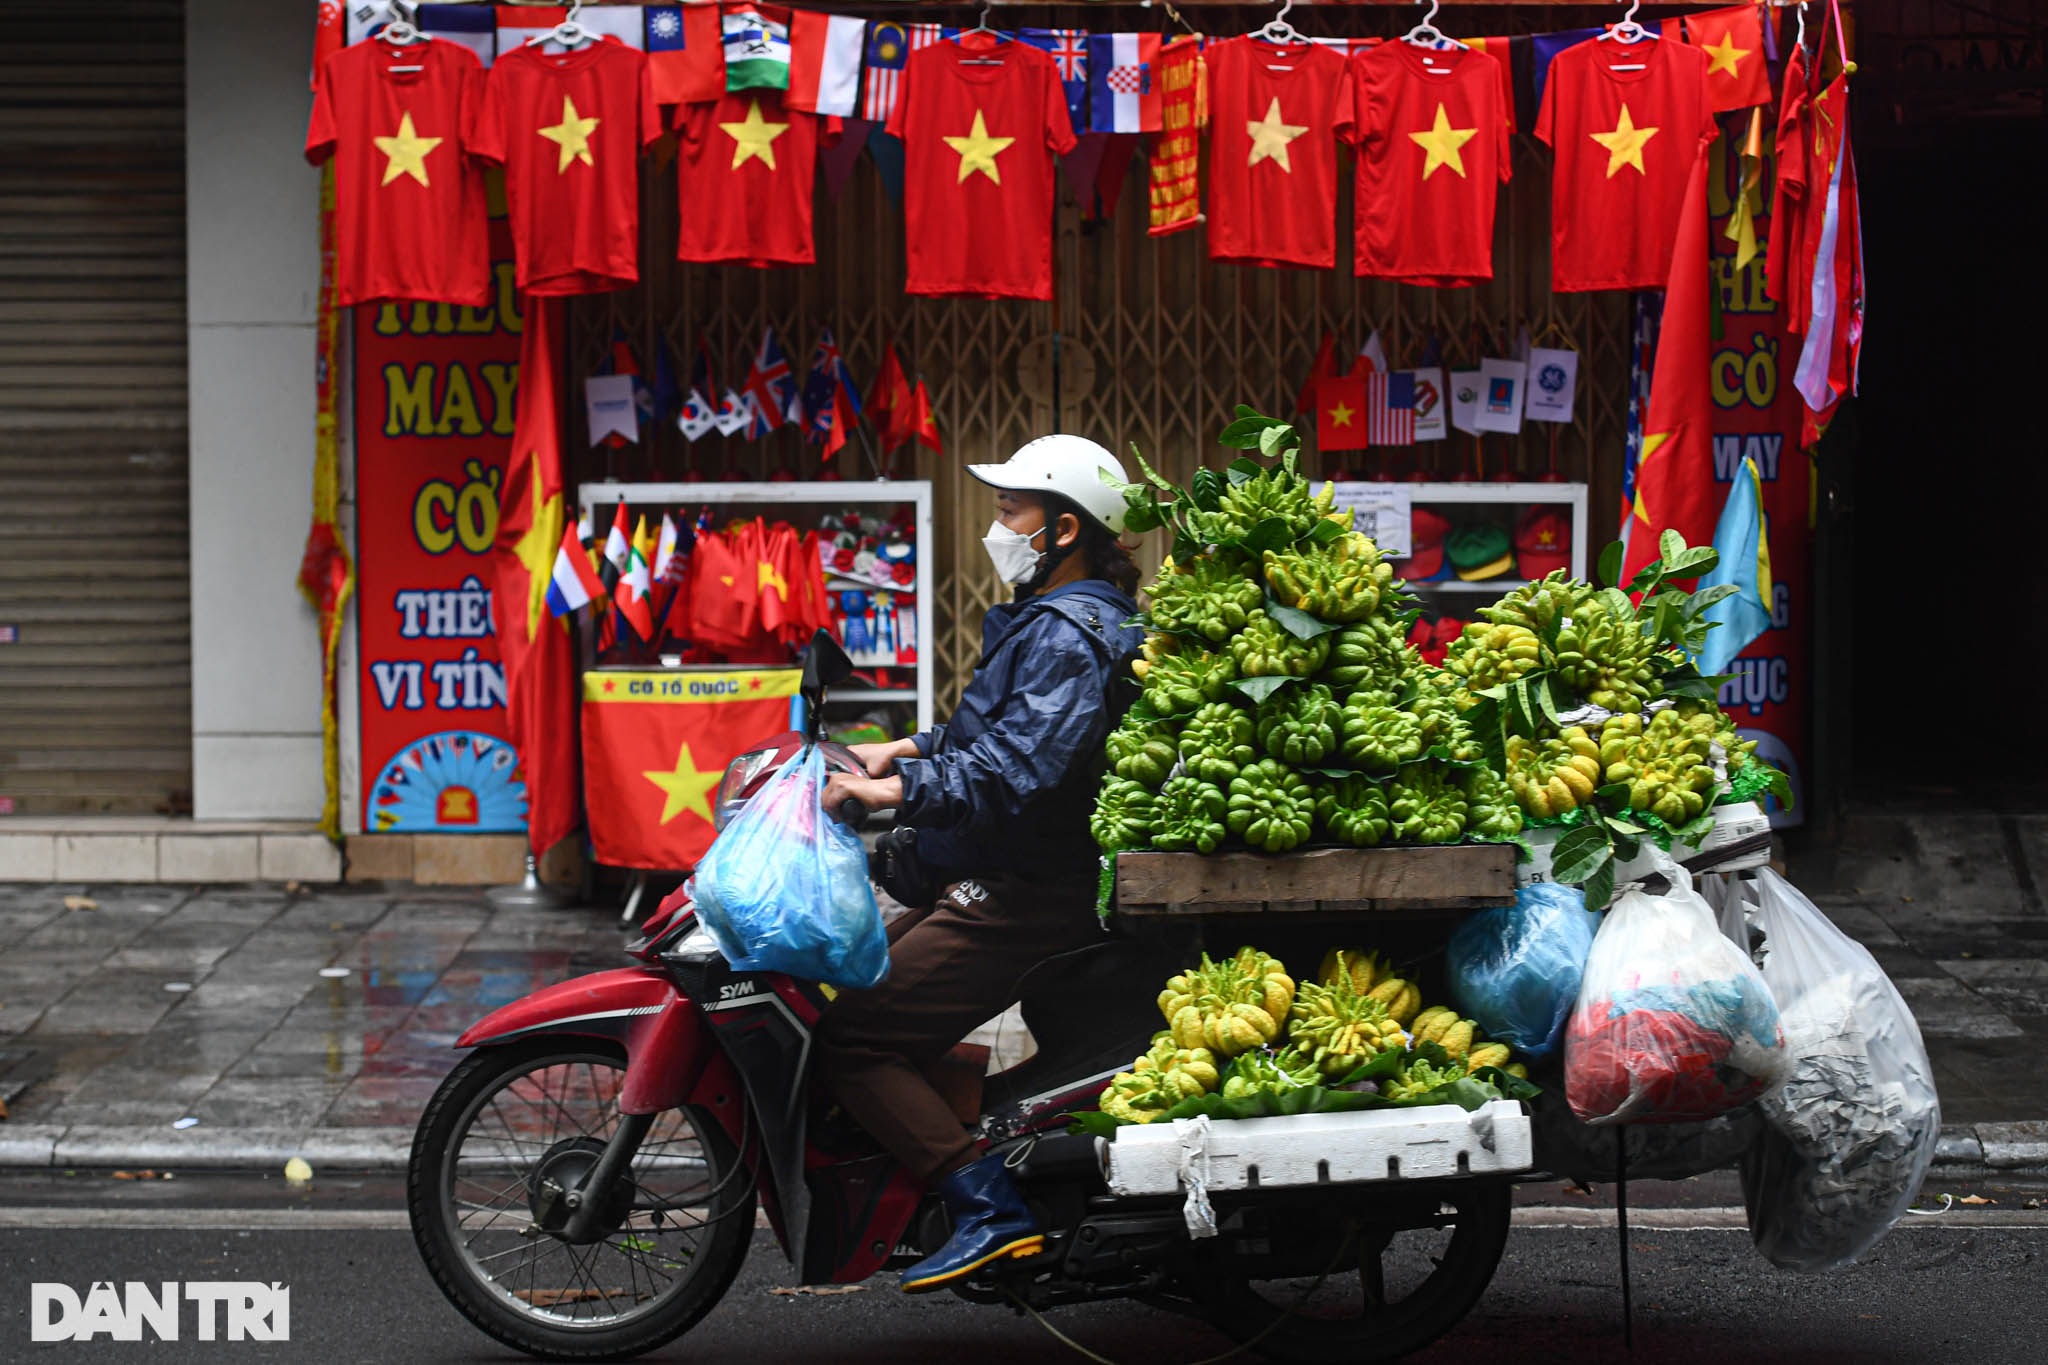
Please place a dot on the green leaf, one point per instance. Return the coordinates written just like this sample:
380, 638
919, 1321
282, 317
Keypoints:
1336, 772
1697, 687
1297, 622
1613, 794
1271, 534
1581, 853
1243, 469
1153, 476
1521, 708
1781, 787
1624, 826
1205, 489
1626, 846
1325, 531
1185, 547
1617, 603
1277, 438
1483, 720
1611, 558
1599, 888
1670, 545
1707, 597
1690, 563
1695, 829
1258, 689
1548, 690
1093, 1123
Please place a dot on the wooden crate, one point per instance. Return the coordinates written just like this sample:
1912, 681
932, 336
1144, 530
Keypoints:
1323, 880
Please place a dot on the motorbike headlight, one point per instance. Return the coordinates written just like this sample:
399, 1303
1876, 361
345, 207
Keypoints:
740, 774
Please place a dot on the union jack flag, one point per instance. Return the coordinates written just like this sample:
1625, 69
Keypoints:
1068, 48
769, 391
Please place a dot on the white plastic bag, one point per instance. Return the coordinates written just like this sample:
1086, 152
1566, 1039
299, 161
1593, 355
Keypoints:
1673, 1022
1852, 1131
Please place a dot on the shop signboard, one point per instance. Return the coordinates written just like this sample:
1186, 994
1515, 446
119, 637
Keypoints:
1757, 413
434, 388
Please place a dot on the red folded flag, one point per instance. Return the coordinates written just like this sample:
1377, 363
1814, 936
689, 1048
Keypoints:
1733, 40
889, 402
1340, 411
922, 426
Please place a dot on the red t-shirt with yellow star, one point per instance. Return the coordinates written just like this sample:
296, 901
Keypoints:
1432, 138
1273, 152
1625, 142
569, 128
978, 148
409, 216
745, 167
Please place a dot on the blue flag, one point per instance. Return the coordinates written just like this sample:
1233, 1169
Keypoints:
1743, 542
1069, 50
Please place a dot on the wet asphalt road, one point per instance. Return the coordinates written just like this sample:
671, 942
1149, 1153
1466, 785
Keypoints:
1934, 1291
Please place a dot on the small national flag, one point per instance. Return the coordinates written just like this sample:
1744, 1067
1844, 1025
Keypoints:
573, 585
364, 18
1344, 47
889, 402
1742, 540
1390, 408
1649, 311
889, 47
630, 595
1733, 40
470, 26
1373, 354
829, 396
824, 62
1749, 195
1323, 367
1122, 96
1340, 403
643, 539
618, 546
665, 549
922, 424
614, 21
732, 413
700, 413
685, 53
520, 24
770, 389
756, 48
1069, 50
1830, 355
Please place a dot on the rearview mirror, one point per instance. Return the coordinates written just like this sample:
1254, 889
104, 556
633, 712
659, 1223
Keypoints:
825, 663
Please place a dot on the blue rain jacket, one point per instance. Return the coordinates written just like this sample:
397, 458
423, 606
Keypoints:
1009, 782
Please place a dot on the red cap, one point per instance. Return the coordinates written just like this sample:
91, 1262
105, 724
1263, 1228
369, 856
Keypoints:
1426, 533
1543, 541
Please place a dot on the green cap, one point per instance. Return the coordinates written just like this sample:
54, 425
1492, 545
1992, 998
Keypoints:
1480, 551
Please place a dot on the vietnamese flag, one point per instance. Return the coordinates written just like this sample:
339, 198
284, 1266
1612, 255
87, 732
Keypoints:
1340, 411
922, 425
1322, 369
656, 745
889, 402
538, 653
1733, 40
1675, 488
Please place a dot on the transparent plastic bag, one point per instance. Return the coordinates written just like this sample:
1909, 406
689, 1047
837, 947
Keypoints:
1673, 1022
784, 887
1515, 970
1852, 1131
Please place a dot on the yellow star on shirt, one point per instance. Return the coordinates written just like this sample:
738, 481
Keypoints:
753, 137
1625, 144
1726, 55
572, 135
1270, 137
687, 788
1442, 142
407, 152
978, 151
1341, 415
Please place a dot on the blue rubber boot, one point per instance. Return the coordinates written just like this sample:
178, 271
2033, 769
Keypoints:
990, 1221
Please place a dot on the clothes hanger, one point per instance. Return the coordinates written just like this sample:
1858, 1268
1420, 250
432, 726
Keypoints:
1427, 34
1628, 33
982, 25
402, 32
568, 33
1278, 30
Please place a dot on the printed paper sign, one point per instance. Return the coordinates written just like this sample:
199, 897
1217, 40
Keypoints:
1432, 405
608, 399
1501, 383
1465, 389
1553, 383
1382, 511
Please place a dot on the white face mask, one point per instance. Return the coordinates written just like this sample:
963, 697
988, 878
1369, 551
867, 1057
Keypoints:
1011, 552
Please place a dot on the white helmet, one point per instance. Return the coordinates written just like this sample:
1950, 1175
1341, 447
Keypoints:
1071, 466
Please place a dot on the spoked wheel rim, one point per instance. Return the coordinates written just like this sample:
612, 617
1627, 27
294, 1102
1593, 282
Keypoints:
1386, 1288
547, 1122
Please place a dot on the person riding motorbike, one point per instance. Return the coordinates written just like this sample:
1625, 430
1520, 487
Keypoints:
999, 799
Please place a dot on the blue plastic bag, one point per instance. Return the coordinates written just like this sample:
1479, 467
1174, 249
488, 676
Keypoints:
1515, 970
784, 887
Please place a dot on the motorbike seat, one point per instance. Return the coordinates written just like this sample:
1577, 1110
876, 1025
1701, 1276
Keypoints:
1084, 1007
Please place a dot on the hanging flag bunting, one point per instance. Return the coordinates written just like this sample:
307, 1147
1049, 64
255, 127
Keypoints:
889, 47
614, 21
1069, 50
685, 53
519, 24
470, 26
756, 48
1122, 95
837, 157
824, 62
1675, 488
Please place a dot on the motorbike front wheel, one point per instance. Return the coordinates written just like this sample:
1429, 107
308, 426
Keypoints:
1390, 1286
511, 1128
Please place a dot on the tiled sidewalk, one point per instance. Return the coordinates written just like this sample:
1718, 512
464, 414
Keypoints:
101, 1054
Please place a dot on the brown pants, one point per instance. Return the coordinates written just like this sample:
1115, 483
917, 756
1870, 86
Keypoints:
955, 966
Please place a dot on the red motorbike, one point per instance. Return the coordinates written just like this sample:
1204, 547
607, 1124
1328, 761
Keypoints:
584, 1183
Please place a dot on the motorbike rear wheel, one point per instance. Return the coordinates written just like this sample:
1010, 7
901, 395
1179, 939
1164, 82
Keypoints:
1390, 1289
515, 1122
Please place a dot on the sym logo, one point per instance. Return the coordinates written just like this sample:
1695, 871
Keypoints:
222, 1311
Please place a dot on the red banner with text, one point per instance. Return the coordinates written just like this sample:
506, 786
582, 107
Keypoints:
434, 389
1758, 414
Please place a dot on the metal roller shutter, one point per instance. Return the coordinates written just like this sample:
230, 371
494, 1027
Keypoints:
95, 686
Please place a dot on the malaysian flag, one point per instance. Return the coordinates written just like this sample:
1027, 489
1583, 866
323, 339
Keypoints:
1069, 50
889, 47
1390, 408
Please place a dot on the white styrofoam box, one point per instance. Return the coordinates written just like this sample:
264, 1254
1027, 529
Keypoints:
1429, 1143
1733, 823
1540, 839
